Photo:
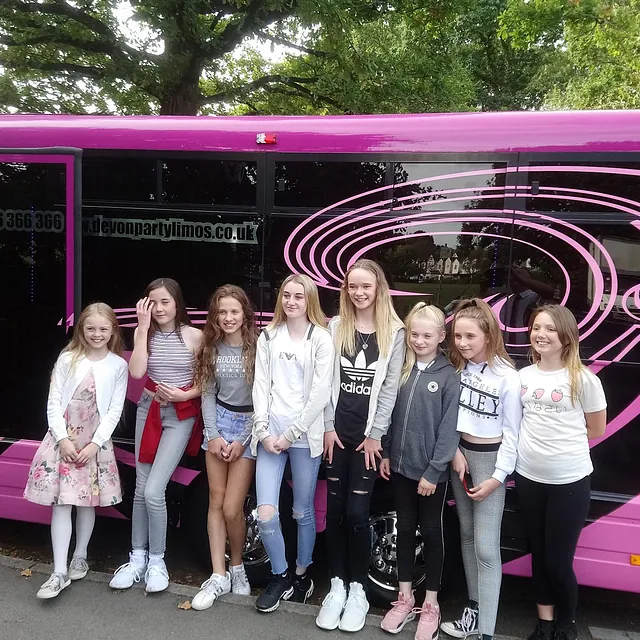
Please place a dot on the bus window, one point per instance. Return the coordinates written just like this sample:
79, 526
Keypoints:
320, 184
119, 178
440, 258
579, 187
209, 182
437, 186
32, 313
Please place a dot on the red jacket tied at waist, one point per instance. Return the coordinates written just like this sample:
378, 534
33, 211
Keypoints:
152, 431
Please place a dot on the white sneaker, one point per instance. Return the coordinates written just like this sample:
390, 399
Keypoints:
332, 606
131, 572
211, 590
240, 581
53, 586
355, 611
78, 568
157, 576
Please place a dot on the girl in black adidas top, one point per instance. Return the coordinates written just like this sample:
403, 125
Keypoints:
369, 341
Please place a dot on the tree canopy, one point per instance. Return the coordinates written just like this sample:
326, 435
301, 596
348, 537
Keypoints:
334, 56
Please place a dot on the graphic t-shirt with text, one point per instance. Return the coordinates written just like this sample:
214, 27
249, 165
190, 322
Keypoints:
356, 380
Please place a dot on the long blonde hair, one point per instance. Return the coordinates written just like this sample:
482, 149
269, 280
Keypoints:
480, 312
78, 346
386, 319
568, 334
213, 335
421, 311
314, 310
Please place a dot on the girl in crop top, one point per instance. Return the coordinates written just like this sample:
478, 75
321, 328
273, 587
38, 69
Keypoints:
165, 344
488, 421
224, 371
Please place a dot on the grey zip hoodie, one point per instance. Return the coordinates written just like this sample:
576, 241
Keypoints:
423, 439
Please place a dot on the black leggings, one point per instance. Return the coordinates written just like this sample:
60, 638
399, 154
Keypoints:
413, 510
349, 486
554, 515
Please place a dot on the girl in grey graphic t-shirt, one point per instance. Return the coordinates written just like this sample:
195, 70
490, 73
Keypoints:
224, 369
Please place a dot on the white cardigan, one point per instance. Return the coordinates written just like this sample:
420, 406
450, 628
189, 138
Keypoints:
111, 376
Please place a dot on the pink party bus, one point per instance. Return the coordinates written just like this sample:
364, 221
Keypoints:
518, 208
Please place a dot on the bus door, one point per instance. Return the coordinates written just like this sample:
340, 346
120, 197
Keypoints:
39, 208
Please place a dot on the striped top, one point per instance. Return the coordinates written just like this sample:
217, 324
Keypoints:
170, 360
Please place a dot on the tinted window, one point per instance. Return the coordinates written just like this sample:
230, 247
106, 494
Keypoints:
209, 182
119, 178
433, 186
574, 186
320, 184
32, 313
440, 260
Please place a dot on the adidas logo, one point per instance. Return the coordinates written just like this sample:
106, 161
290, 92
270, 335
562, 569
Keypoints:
358, 372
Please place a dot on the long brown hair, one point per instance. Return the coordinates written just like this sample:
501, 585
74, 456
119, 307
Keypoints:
78, 346
175, 291
568, 334
314, 310
213, 335
480, 312
386, 318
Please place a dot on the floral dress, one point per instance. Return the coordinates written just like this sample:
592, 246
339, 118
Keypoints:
95, 484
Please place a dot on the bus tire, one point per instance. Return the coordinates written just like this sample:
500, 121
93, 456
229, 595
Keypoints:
382, 576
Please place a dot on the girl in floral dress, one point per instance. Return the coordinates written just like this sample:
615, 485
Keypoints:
75, 464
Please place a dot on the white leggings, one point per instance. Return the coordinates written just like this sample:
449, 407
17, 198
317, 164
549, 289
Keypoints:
61, 533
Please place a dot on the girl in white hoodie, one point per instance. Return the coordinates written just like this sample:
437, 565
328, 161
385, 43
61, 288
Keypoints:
488, 422
291, 388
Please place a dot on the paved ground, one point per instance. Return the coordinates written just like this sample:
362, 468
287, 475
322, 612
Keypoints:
93, 611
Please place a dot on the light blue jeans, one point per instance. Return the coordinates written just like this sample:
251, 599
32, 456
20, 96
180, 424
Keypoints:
304, 474
149, 519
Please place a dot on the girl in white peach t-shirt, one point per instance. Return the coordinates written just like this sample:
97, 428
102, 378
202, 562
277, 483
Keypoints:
563, 408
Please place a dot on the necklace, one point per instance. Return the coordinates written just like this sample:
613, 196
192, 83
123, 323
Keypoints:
365, 343
165, 334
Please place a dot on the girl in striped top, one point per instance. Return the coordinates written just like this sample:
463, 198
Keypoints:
165, 344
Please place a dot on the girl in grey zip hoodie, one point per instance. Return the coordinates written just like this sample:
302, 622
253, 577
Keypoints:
417, 450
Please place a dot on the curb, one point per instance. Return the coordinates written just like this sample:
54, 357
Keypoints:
309, 610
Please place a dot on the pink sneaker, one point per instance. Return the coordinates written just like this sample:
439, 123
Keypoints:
429, 623
401, 613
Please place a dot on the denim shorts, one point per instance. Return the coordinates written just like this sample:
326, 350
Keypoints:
231, 426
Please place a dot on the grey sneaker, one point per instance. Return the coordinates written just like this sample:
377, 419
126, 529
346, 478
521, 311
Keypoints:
78, 568
53, 586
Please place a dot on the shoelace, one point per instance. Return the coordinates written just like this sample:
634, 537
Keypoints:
468, 619
403, 606
329, 598
212, 585
155, 569
356, 597
240, 578
129, 565
55, 578
273, 585
79, 563
429, 612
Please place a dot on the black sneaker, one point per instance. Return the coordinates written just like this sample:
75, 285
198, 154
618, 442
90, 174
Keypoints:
465, 627
302, 588
545, 630
566, 631
280, 587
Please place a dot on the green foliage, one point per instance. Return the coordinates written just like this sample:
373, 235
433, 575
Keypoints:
593, 50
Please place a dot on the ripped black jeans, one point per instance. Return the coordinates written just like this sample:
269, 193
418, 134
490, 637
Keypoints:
349, 486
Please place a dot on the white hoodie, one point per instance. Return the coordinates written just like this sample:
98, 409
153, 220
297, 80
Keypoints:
490, 407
